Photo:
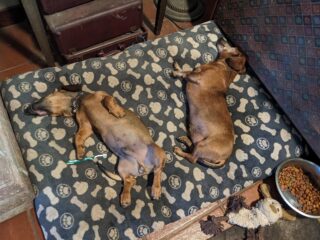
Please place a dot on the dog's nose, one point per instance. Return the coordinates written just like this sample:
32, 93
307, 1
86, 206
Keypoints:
36, 108
29, 110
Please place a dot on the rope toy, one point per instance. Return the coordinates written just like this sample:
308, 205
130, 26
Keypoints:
96, 159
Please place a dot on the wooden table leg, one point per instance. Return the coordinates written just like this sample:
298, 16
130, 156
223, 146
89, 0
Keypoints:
33, 14
210, 8
161, 9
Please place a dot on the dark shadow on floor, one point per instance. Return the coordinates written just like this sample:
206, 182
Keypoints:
33, 57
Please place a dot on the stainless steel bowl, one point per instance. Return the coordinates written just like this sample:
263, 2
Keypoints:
311, 169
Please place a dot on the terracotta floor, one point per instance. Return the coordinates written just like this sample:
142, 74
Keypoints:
23, 226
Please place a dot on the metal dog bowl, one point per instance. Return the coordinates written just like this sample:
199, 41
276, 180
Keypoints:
311, 169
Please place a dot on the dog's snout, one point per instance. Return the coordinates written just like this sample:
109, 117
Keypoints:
36, 108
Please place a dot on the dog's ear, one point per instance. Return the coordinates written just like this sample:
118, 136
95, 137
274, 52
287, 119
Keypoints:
222, 44
237, 63
72, 88
225, 51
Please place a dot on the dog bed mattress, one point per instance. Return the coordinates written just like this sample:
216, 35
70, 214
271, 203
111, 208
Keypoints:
79, 202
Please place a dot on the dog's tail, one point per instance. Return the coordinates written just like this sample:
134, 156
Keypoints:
109, 174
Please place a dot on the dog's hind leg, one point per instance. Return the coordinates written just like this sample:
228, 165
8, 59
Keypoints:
213, 152
128, 183
84, 131
218, 164
160, 159
185, 140
185, 155
156, 185
128, 170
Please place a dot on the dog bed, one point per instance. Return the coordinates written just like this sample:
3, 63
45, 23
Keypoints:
79, 202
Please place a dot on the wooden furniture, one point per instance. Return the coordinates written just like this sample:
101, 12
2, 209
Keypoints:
161, 9
95, 26
34, 17
81, 28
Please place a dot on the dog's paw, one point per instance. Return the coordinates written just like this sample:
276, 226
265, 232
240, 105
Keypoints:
178, 74
185, 140
118, 112
177, 150
176, 66
156, 193
80, 152
125, 200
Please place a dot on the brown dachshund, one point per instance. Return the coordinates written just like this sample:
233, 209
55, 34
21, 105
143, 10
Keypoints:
211, 127
121, 130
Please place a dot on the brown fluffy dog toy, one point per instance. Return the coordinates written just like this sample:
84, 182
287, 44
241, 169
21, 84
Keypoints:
266, 211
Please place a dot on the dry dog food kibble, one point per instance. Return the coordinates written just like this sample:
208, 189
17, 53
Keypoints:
292, 178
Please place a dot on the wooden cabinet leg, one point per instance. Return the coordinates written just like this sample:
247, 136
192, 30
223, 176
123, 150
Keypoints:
161, 9
33, 14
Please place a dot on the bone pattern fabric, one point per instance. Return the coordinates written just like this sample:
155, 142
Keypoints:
79, 202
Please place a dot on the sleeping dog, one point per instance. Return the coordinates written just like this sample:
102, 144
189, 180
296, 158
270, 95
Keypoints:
211, 127
121, 130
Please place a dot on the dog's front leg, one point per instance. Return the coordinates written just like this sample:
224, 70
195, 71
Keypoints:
159, 158
113, 107
84, 131
191, 76
178, 72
